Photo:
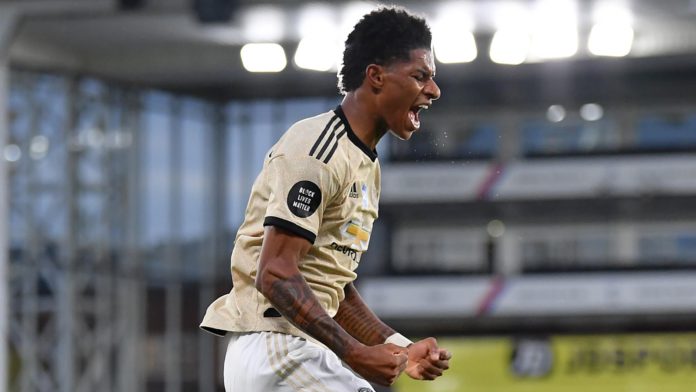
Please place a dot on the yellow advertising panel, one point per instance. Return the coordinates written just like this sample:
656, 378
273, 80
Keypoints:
590, 363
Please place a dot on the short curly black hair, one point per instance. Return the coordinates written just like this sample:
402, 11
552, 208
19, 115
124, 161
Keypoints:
383, 36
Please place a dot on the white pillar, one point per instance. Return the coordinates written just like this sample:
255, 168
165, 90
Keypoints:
8, 22
508, 257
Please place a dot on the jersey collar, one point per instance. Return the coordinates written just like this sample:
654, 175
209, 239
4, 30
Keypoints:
372, 154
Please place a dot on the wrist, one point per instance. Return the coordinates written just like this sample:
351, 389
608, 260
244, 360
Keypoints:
399, 340
352, 349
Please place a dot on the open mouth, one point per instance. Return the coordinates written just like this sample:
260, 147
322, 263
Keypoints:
414, 115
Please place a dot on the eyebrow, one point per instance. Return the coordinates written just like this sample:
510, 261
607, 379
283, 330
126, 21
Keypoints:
426, 71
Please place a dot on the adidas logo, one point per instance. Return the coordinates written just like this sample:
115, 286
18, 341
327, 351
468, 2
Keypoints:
354, 191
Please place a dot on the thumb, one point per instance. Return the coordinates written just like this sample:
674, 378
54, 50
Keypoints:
433, 351
402, 358
397, 349
434, 354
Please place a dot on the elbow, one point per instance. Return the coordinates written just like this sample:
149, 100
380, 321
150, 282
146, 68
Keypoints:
266, 278
263, 281
274, 270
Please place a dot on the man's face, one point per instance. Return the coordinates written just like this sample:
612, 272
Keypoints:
408, 88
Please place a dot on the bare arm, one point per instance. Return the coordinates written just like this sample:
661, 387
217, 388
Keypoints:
359, 321
426, 361
279, 279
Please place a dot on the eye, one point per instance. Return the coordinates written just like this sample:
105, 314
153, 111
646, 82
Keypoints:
419, 77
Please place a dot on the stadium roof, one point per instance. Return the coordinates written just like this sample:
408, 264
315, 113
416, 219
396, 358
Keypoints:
162, 43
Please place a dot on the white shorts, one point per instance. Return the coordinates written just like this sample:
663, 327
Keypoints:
277, 362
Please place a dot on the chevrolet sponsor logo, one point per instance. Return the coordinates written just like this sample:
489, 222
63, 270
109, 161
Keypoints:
359, 234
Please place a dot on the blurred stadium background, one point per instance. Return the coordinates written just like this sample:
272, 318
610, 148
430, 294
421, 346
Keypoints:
542, 222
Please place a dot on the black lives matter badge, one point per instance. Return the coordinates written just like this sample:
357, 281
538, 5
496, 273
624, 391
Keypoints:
304, 198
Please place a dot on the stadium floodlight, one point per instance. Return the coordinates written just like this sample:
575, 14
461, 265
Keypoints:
591, 112
266, 57
265, 23
12, 153
510, 46
317, 53
453, 40
511, 41
319, 48
38, 147
455, 48
556, 113
610, 40
612, 34
495, 228
556, 30
316, 18
351, 13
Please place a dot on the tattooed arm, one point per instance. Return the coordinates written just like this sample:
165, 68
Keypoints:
358, 320
280, 281
426, 361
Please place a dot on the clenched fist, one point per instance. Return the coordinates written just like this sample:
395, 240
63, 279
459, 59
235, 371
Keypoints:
381, 364
426, 361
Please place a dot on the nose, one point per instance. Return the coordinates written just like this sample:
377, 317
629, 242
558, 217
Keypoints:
432, 90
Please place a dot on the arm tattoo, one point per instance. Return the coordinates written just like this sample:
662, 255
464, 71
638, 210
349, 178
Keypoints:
358, 320
293, 298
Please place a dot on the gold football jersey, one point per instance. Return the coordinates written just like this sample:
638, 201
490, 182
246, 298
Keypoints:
320, 182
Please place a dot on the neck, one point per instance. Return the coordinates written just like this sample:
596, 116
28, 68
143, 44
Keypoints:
364, 121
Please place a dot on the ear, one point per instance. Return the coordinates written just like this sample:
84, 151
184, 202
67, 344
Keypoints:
374, 75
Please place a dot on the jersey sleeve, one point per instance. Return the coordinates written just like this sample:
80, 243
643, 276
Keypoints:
300, 188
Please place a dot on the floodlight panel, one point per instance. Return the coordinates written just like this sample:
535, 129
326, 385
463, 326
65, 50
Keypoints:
263, 57
510, 46
317, 53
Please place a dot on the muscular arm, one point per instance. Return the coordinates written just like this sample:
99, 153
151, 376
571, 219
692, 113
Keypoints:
359, 321
280, 281
426, 361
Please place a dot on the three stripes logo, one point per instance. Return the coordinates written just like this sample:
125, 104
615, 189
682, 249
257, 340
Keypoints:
354, 191
327, 143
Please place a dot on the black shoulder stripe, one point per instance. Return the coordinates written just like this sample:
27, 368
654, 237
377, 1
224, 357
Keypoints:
333, 149
291, 227
329, 140
323, 134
